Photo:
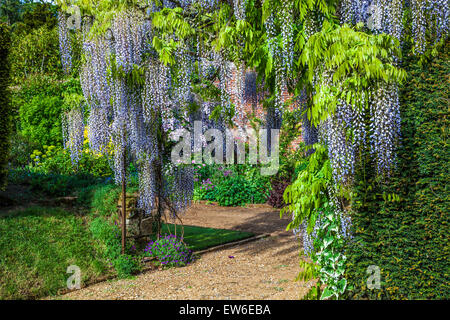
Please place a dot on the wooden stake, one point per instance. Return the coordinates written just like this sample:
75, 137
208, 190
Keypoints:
124, 204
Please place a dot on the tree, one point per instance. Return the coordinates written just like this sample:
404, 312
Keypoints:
34, 53
118, 82
40, 14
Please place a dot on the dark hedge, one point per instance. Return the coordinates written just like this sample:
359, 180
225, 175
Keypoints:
409, 239
5, 114
275, 198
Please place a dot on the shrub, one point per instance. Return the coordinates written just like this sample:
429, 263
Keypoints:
238, 191
109, 237
203, 172
275, 198
126, 265
51, 171
233, 192
21, 148
40, 119
53, 160
35, 52
52, 184
234, 185
37, 106
170, 251
101, 199
206, 191
5, 113
260, 185
38, 15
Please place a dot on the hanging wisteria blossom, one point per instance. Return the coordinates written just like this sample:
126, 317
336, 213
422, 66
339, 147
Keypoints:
185, 61
65, 46
126, 115
156, 95
73, 133
309, 238
385, 126
287, 32
96, 90
179, 188
340, 146
385, 16
239, 9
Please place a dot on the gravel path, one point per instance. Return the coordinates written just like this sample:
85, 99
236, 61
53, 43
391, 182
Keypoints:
263, 269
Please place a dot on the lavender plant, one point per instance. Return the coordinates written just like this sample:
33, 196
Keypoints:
170, 251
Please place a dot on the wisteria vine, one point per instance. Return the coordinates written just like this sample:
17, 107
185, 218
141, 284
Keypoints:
125, 113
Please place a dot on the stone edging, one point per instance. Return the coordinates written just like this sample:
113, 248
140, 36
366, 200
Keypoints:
232, 244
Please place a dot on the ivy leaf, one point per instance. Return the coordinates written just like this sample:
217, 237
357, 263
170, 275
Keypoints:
342, 285
327, 293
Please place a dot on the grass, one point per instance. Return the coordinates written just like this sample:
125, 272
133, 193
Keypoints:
37, 244
36, 247
200, 238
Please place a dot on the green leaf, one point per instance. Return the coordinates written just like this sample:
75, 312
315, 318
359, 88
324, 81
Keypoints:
326, 293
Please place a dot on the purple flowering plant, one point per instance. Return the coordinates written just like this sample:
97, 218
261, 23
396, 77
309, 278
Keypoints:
227, 173
170, 251
207, 185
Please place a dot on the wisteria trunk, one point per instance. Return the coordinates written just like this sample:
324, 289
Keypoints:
159, 204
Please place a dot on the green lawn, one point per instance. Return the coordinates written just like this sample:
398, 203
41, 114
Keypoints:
199, 238
36, 247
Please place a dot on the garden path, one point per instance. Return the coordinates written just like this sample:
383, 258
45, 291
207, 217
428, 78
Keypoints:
262, 269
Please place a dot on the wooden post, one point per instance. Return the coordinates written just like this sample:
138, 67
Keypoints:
158, 236
124, 204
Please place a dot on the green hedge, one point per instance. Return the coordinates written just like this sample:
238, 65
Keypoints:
5, 116
409, 239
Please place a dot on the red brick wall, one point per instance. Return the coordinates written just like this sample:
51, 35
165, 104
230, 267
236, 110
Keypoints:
248, 108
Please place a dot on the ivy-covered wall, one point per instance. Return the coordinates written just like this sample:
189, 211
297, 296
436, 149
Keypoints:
5, 118
409, 239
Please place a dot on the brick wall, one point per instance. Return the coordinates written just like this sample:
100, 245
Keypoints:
254, 106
